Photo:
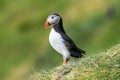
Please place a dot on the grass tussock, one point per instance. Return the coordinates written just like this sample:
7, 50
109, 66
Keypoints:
102, 66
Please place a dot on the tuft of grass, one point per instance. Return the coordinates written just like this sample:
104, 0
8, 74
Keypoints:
102, 66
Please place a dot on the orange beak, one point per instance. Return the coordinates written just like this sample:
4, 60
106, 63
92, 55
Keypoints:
46, 24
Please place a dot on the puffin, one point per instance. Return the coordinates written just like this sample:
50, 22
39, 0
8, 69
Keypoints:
60, 41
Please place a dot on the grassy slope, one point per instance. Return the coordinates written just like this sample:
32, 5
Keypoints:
102, 66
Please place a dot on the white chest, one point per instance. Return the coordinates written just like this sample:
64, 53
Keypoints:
57, 43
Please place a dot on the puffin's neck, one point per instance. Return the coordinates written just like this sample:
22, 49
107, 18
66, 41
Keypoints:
59, 27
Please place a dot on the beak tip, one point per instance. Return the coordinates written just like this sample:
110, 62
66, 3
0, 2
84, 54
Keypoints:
46, 25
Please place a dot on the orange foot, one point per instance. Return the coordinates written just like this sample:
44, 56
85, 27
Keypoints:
64, 62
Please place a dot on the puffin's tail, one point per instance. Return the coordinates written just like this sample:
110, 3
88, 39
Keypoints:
77, 53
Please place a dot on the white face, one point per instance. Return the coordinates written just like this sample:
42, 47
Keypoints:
53, 19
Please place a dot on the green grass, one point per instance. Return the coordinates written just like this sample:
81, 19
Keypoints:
102, 66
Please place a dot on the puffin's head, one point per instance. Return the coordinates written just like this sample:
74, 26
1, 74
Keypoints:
52, 20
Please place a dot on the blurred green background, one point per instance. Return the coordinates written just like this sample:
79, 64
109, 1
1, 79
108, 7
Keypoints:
94, 25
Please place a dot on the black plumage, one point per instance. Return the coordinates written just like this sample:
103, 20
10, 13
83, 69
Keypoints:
73, 49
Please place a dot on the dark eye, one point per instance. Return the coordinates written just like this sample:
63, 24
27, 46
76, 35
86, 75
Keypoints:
52, 17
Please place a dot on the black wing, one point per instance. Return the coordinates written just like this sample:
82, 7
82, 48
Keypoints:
74, 50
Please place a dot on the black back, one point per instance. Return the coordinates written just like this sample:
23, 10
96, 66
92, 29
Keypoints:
74, 50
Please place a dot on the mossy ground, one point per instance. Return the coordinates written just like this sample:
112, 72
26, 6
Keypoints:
102, 66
